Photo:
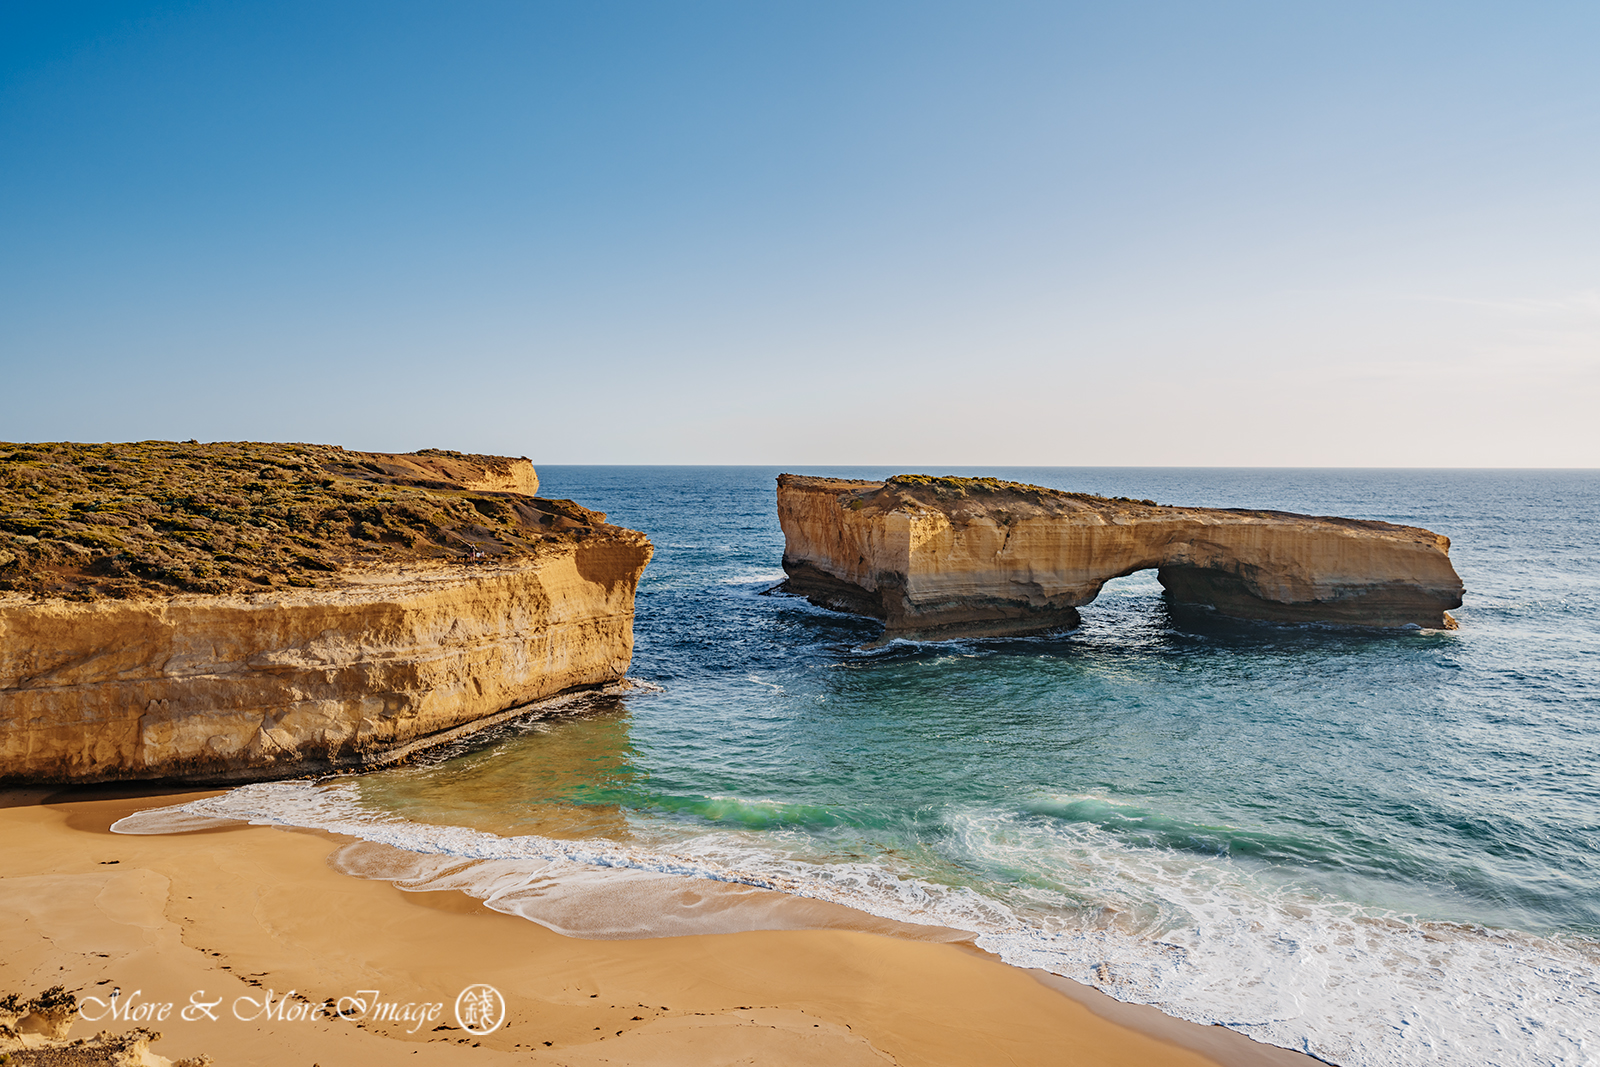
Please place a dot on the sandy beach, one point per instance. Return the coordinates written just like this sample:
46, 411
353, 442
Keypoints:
253, 922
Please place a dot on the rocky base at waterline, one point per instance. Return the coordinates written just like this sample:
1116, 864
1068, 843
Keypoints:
957, 557
419, 621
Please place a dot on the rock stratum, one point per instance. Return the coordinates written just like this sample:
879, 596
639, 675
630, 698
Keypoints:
367, 603
953, 557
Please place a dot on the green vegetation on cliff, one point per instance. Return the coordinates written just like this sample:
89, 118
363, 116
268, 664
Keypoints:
946, 486
153, 518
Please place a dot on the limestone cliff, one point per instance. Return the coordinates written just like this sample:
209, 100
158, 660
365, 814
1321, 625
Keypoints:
419, 620
944, 557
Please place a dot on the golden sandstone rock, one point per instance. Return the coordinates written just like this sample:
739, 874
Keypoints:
949, 557
422, 634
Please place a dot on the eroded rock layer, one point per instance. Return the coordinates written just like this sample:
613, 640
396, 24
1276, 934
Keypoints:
947, 557
164, 622
301, 681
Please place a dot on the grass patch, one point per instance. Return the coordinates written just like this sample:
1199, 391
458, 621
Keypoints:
154, 518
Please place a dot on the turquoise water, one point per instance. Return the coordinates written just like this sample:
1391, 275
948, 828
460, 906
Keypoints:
1379, 847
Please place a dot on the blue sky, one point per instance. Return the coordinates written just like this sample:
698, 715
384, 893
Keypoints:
1349, 234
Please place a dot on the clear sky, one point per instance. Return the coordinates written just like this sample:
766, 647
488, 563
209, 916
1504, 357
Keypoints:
1281, 233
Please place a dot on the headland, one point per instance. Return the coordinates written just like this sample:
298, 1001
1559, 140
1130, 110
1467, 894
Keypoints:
240, 611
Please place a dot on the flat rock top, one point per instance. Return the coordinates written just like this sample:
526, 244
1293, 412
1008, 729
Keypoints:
158, 518
963, 500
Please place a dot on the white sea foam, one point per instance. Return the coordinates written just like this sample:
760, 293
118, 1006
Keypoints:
1201, 940
764, 578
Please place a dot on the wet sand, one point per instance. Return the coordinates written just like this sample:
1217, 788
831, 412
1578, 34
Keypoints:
229, 916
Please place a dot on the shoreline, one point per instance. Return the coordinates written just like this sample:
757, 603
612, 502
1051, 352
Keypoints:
228, 909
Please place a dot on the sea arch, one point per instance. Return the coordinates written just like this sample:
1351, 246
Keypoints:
951, 557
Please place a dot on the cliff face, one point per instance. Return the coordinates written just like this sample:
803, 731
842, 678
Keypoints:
944, 557
304, 680
440, 468
241, 611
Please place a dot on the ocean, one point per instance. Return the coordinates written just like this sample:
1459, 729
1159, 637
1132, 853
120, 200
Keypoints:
1376, 847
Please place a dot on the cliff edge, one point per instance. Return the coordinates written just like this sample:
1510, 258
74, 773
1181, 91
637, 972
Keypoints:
245, 611
948, 557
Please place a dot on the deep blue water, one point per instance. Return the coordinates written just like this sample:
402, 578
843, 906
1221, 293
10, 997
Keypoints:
1381, 847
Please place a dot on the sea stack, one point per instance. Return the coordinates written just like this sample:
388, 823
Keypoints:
978, 557
243, 611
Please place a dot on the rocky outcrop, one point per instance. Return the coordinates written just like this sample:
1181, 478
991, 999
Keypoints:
946, 557
442, 469
444, 593
297, 681
35, 1032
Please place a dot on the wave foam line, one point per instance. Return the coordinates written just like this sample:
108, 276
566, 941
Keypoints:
1346, 985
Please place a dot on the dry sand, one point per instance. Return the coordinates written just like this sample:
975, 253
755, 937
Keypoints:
219, 915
